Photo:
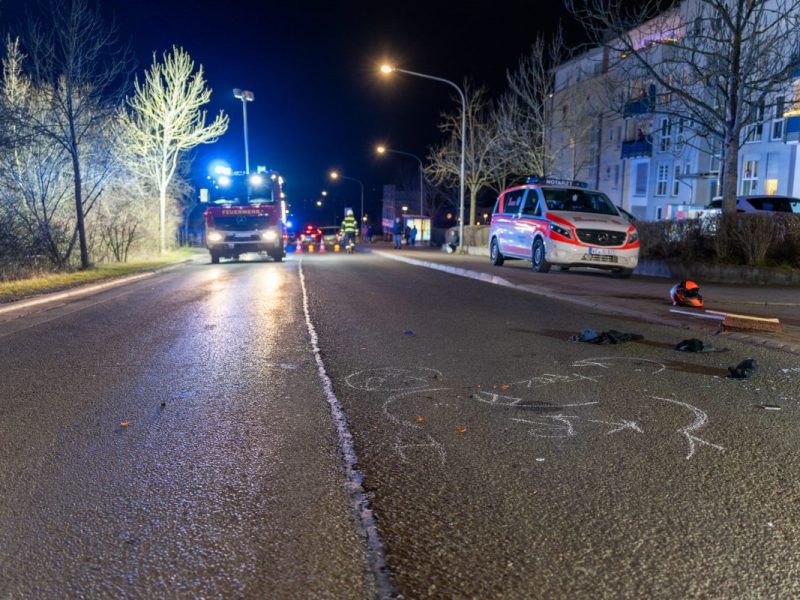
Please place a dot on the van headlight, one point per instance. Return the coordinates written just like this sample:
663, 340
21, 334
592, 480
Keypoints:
633, 236
270, 236
213, 236
561, 230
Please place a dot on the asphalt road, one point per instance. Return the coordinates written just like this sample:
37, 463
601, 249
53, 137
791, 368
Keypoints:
499, 458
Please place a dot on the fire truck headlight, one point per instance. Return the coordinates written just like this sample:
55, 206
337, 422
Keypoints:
270, 236
213, 236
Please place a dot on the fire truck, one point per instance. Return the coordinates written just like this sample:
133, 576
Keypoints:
246, 214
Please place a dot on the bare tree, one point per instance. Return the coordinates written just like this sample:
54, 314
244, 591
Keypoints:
481, 144
167, 120
527, 109
713, 63
75, 58
33, 187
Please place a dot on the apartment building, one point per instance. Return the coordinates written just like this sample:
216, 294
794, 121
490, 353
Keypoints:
609, 126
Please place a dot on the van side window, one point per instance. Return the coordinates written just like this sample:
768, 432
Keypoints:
532, 206
512, 202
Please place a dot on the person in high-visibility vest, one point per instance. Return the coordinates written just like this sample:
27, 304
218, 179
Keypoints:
349, 226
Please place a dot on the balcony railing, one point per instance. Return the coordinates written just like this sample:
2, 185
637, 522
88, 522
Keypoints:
637, 148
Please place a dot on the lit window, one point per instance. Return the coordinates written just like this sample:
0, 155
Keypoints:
771, 186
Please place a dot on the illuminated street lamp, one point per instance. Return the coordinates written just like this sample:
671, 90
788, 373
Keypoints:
388, 69
384, 150
245, 96
334, 175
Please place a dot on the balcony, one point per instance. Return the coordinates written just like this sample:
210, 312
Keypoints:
640, 106
637, 148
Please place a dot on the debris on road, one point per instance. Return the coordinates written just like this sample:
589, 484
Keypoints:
408, 332
695, 345
420, 418
748, 322
461, 429
768, 406
612, 336
124, 423
686, 293
744, 370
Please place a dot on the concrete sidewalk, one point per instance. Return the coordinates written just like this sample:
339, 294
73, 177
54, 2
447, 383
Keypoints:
645, 298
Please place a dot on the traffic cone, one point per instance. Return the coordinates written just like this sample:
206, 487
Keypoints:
322, 246
298, 248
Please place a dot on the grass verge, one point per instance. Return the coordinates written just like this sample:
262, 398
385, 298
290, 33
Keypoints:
54, 282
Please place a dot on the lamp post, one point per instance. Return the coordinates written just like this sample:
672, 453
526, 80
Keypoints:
336, 175
384, 150
245, 96
387, 69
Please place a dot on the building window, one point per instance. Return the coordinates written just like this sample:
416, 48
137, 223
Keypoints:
616, 175
659, 213
771, 186
640, 189
662, 180
610, 134
665, 140
756, 130
777, 122
750, 177
608, 173
676, 182
679, 127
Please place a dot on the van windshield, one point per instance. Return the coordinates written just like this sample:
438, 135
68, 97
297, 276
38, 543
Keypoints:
576, 200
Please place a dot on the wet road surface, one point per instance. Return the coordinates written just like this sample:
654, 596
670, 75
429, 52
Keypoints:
500, 459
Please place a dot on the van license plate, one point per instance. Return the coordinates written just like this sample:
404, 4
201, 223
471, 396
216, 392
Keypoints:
603, 251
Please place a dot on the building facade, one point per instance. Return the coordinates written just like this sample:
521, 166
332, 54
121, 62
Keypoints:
611, 126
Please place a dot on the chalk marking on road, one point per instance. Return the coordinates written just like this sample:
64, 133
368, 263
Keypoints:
360, 504
550, 378
564, 423
602, 362
632, 425
431, 442
700, 421
380, 379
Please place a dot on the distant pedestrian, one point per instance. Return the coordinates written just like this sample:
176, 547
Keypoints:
397, 232
412, 235
369, 233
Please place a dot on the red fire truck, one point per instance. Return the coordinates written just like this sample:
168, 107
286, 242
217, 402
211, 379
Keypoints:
246, 214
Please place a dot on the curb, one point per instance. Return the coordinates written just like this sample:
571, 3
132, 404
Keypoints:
530, 289
87, 289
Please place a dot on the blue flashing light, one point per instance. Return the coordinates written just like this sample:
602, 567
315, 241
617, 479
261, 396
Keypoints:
224, 181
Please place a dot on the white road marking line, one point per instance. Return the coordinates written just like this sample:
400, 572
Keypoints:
360, 504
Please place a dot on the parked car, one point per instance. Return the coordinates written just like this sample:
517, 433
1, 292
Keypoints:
556, 222
757, 203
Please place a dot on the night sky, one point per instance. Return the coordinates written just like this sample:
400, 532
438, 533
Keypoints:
320, 101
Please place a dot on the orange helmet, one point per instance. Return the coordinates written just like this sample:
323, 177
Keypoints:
686, 293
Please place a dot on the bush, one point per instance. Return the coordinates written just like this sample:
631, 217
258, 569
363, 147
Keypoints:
750, 239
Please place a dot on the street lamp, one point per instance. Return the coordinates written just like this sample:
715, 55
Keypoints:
388, 69
245, 96
334, 175
384, 150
